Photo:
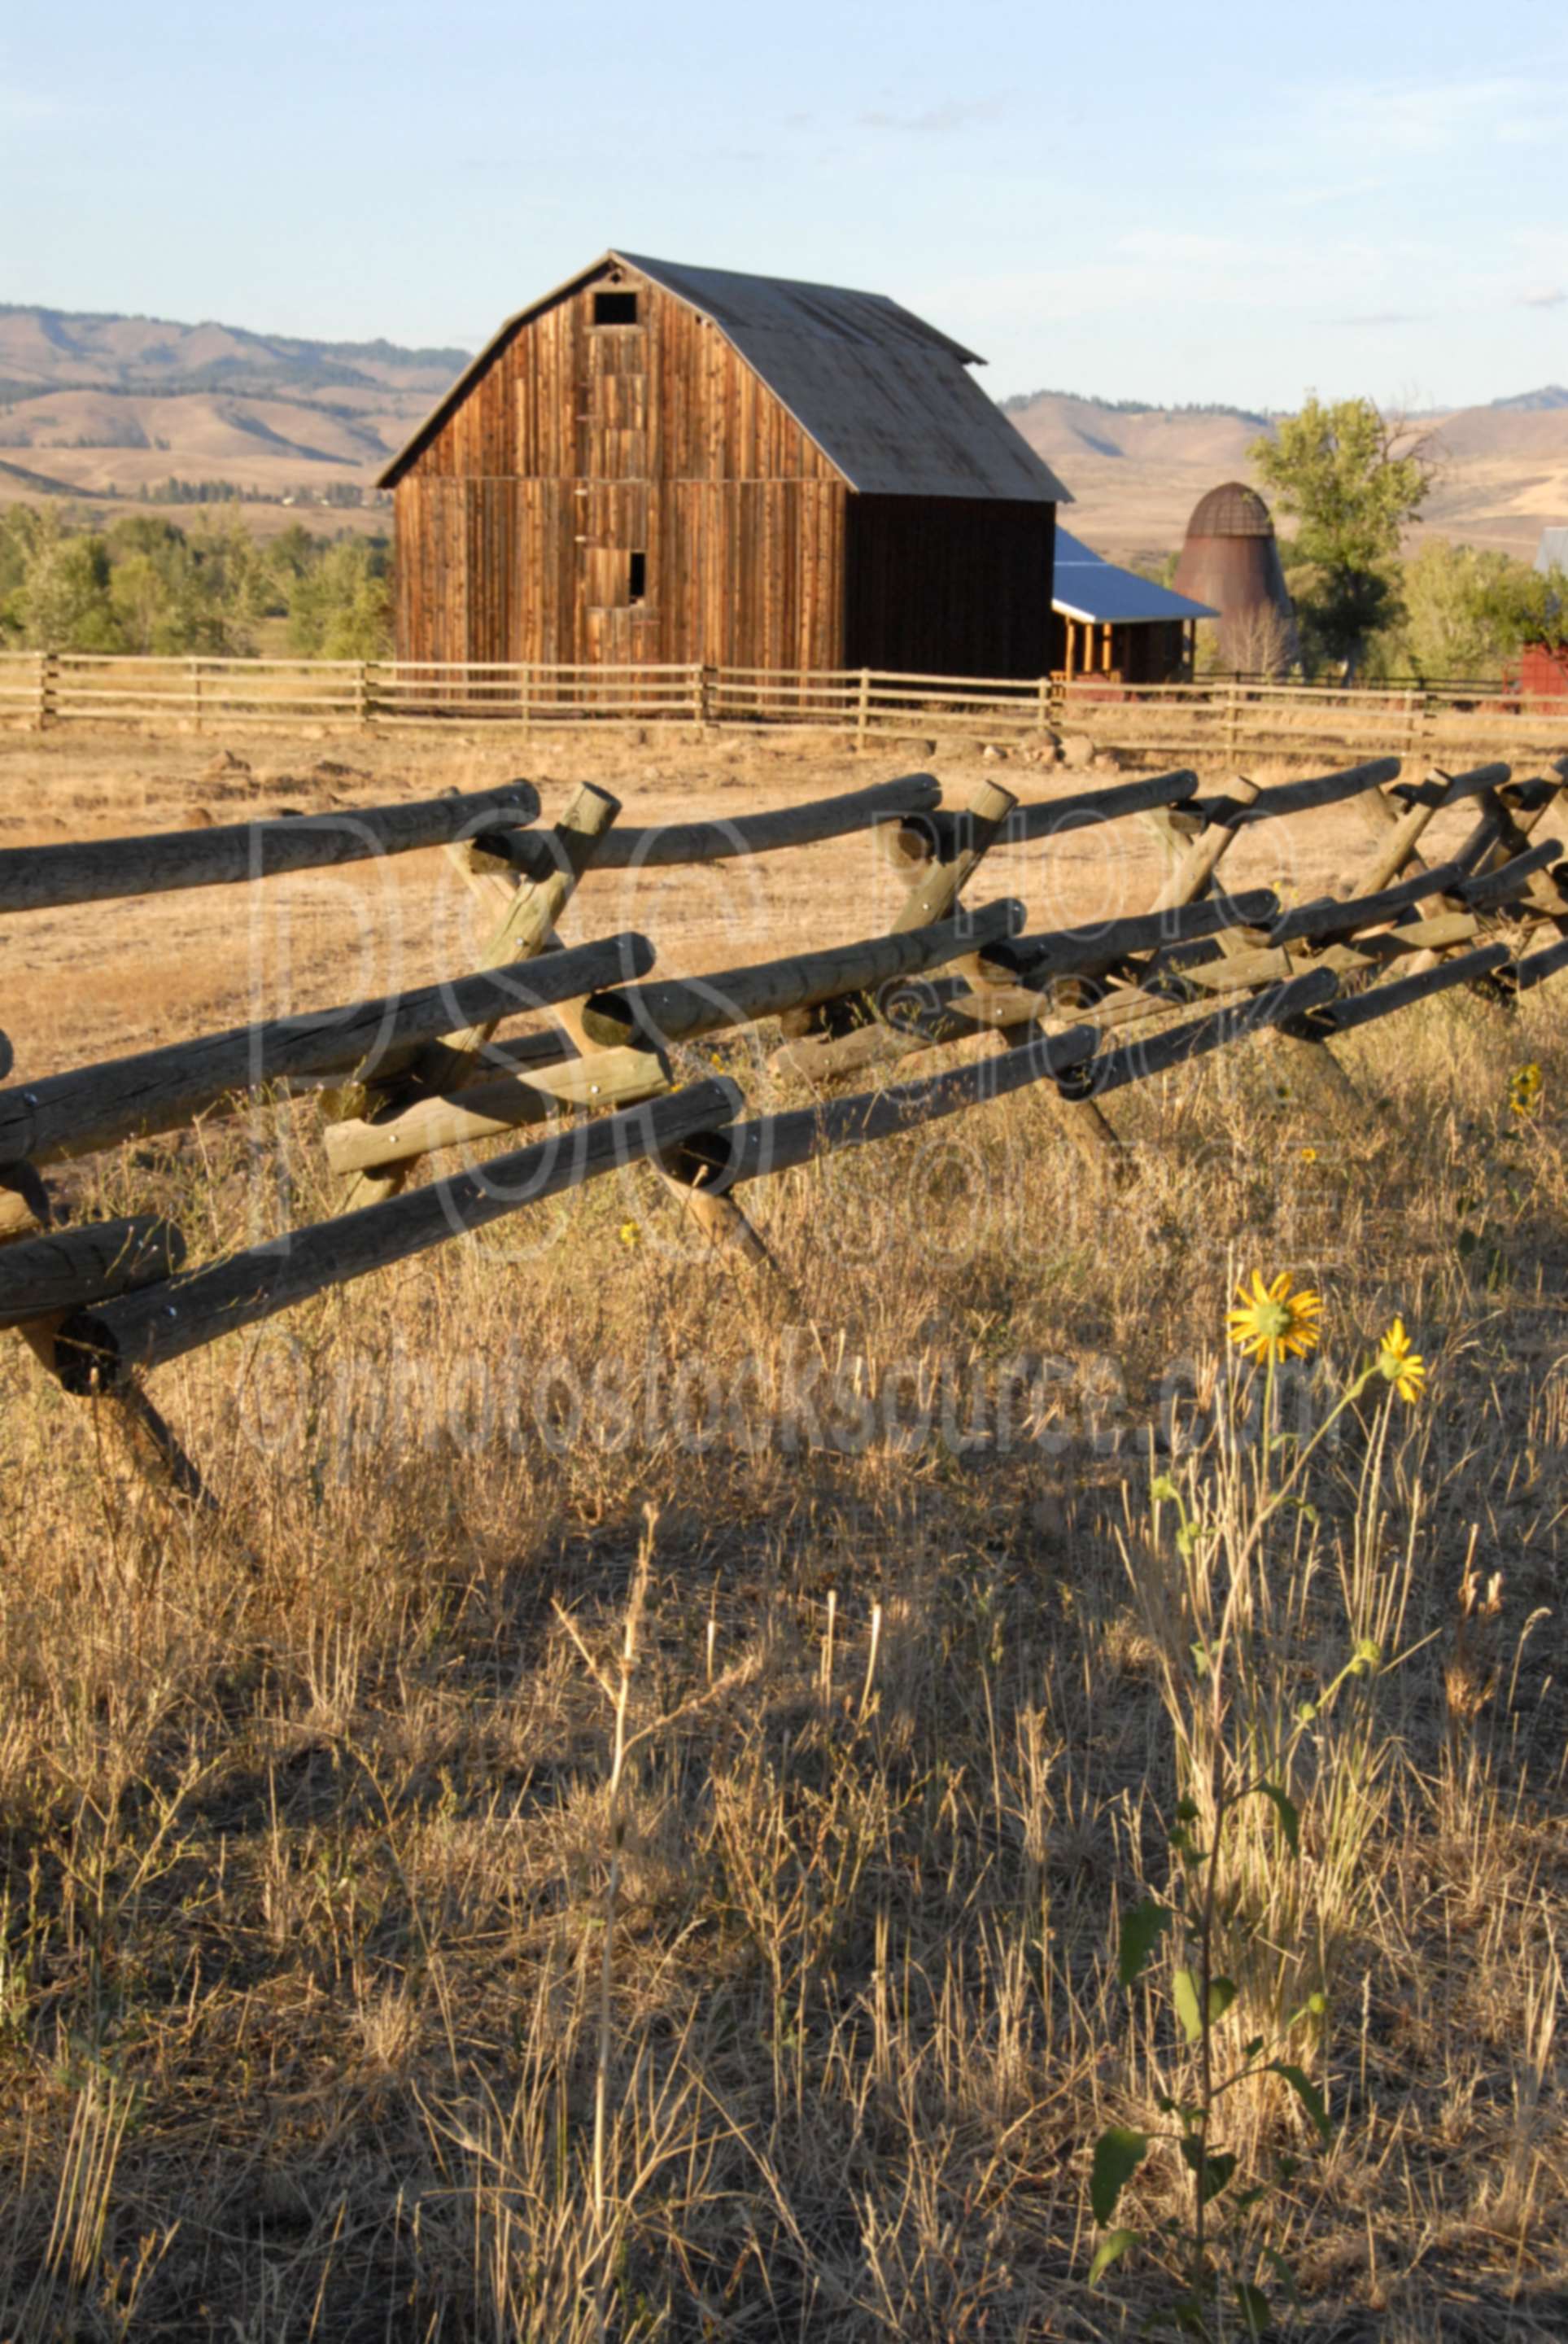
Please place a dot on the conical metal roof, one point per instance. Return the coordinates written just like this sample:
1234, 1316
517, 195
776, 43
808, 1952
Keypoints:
1234, 509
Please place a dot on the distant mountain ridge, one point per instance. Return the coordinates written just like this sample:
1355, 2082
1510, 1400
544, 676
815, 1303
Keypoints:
100, 404
63, 349
1545, 400
123, 405
1136, 472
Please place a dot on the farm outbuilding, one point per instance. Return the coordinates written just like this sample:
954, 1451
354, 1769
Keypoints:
1232, 559
661, 463
1111, 622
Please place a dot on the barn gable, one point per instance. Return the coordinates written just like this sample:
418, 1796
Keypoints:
887, 399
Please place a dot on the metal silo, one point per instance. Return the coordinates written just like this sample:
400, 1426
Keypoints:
1231, 559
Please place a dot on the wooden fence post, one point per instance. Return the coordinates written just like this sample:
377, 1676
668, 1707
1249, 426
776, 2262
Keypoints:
48, 690
862, 712
525, 929
194, 671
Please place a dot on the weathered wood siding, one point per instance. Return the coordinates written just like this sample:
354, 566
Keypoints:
582, 445
949, 585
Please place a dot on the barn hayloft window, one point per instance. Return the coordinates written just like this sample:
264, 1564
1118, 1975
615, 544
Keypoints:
614, 309
637, 579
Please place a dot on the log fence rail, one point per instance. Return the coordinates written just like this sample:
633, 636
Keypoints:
1081, 1013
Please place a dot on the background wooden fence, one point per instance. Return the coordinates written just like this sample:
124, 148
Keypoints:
1219, 718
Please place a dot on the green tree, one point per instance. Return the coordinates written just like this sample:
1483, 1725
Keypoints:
340, 607
62, 601
1351, 477
1464, 612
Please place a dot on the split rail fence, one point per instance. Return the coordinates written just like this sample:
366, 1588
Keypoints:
1222, 718
1081, 1013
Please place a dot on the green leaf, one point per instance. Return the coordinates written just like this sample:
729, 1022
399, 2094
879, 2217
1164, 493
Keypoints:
1307, 2092
1163, 1491
1118, 2154
1140, 1932
1250, 2050
1284, 2273
1285, 1808
1184, 1993
1219, 2172
1189, 2317
1213, 2170
1253, 2305
1110, 2250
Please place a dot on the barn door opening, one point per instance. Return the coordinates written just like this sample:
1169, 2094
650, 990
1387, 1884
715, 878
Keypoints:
618, 577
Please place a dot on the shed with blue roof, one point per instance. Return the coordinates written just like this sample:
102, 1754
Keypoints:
1112, 622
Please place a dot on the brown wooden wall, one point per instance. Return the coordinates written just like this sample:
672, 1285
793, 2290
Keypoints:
948, 586
739, 574
582, 445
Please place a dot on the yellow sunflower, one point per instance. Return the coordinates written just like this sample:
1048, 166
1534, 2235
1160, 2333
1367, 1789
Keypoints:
630, 1234
1404, 1368
1272, 1322
1524, 1089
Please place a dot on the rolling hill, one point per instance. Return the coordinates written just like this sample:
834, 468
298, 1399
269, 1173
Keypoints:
101, 406
1136, 472
110, 404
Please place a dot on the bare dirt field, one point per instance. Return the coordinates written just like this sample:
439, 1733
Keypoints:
622, 1824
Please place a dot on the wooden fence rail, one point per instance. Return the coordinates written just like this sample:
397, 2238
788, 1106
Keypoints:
1220, 716
1082, 1013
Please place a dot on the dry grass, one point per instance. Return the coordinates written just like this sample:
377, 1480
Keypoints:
621, 1867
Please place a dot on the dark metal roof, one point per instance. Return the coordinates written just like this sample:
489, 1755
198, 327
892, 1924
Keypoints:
1553, 551
1232, 509
887, 397
1087, 587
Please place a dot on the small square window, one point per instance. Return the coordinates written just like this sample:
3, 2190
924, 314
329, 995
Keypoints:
636, 580
614, 309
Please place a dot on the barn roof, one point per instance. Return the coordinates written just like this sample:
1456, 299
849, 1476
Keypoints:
1553, 554
1088, 587
888, 399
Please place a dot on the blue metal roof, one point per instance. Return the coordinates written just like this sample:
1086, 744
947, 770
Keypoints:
1088, 588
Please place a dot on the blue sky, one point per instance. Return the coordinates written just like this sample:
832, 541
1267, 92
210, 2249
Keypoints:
1160, 202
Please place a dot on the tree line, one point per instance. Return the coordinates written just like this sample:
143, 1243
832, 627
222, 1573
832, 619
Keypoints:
212, 588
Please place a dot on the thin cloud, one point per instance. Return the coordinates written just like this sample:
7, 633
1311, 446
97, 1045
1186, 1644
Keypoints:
1432, 118
1385, 318
954, 114
1546, 300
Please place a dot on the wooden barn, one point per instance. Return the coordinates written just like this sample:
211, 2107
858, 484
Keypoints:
658, 463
